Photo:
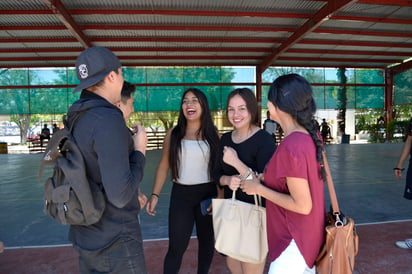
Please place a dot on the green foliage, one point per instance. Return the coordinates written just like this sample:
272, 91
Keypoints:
368, 76
313, 75
403, 112
394, 131
376, 135
360, 124
341, 101
156, 121
157, 103
403, 88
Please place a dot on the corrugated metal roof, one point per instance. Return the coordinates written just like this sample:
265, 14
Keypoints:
335, 33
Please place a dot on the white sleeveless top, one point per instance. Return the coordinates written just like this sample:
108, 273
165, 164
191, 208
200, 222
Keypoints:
194, 162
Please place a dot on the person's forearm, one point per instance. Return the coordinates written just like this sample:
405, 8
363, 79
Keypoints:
242, 169
283, 200
159, 181
405, 152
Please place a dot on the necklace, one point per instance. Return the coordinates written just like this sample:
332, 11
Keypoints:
237, 138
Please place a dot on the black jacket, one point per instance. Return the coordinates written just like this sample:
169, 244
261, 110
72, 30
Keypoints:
111, 162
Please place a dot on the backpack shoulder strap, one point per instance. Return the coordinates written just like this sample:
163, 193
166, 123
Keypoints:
69, 123
52, 151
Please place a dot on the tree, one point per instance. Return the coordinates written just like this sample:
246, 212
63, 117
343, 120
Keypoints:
160, 104
312, 75
341, 101
402, 90
15, 102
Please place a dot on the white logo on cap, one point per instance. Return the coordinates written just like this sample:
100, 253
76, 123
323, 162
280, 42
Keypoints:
83, 71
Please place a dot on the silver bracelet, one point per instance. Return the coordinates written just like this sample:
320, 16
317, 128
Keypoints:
247, 176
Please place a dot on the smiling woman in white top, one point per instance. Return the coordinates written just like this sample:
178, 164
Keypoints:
187, 150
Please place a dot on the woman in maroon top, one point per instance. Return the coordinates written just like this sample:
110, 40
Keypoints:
293, 187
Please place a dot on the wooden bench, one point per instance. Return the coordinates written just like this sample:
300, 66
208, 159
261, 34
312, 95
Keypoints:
34, 145
155, 139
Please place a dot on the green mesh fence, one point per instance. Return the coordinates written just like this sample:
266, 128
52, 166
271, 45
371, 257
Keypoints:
403, 88
49, 91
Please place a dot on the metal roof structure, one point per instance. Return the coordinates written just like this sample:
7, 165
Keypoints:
261, 33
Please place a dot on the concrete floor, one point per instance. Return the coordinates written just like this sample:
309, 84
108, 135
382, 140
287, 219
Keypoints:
366, 187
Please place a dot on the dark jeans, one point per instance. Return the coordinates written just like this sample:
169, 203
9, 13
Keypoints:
184, 212
124, 256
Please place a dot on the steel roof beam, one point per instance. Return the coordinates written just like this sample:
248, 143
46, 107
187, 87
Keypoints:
212, 49
350, 52
372, 19
212, 28
356, 43
202, 57
65, 17
209, 13
402, 3
401, 67
331, 7
221, 13
216, 13
207, 40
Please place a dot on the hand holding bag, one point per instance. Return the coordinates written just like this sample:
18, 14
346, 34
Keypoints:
337, 255
240, 229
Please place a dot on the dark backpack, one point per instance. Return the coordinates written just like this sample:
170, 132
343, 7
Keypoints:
69, 197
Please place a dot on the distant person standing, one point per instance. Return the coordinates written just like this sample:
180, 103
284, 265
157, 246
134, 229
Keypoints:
381, 127
324, 130
270, 126
55, 128
45, 134
406, 151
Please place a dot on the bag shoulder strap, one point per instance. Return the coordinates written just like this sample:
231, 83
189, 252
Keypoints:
73, 120
52, 150
331, 187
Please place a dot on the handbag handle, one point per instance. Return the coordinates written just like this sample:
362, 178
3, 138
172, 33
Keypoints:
331, 188
257, 203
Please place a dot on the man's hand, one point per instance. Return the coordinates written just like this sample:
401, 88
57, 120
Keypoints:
142, 199
140, 138
151, 205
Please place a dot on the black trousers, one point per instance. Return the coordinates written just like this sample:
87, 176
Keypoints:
184, 212
408, 187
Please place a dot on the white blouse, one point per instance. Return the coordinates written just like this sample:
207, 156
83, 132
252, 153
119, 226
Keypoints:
194, 162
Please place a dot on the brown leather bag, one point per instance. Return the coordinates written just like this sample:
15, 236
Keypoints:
337, 255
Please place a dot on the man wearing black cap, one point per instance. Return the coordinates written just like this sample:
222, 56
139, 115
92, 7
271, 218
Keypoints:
114, 161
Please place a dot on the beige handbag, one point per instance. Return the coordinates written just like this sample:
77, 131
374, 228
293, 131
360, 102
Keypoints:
341, 239
240, 229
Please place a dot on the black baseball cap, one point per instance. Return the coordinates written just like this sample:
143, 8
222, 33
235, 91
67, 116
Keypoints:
93, 64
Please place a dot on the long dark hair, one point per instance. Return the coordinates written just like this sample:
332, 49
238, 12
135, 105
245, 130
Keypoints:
251, 103
292, 94
207, 131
